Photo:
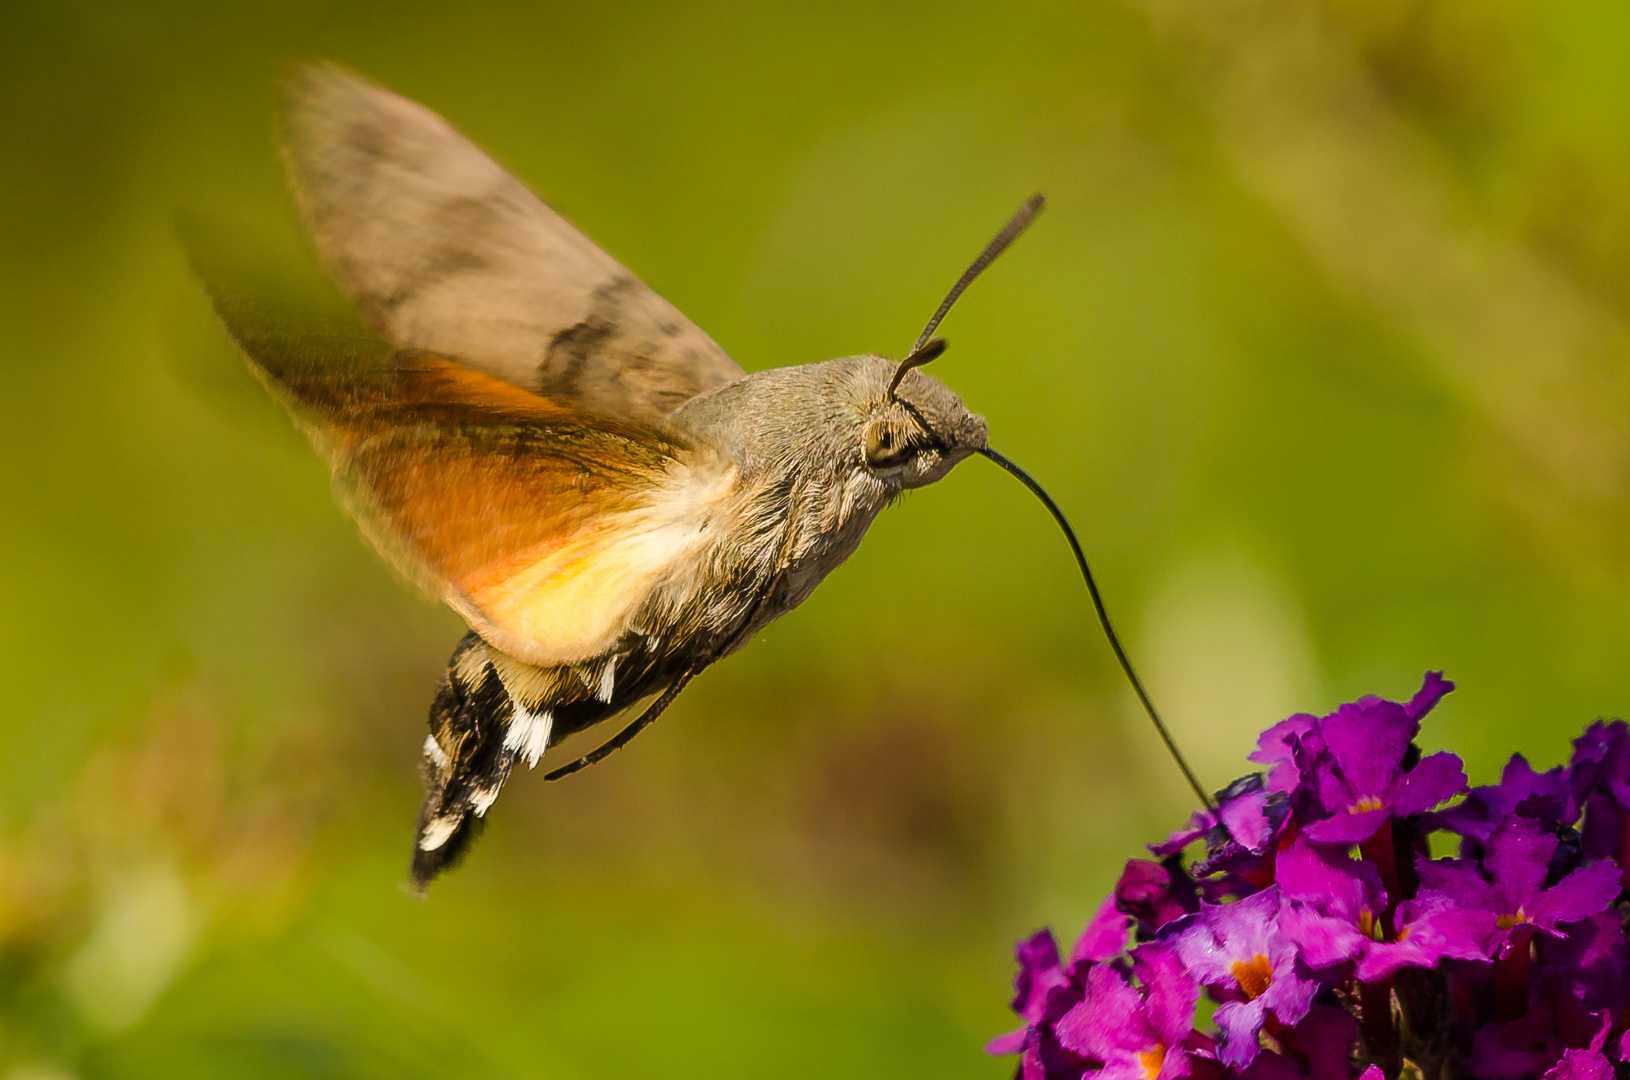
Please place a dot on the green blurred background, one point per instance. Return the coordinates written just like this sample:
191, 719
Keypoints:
1323, 343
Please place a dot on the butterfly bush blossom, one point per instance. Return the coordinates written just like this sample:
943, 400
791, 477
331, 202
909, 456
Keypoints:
1308, 910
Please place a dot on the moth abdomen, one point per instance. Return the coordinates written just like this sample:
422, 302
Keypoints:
491, 711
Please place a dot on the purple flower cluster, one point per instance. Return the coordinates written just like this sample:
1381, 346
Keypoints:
1330, 944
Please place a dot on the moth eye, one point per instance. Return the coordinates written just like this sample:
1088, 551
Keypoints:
887, 446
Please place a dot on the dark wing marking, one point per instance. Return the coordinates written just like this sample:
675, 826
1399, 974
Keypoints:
449, 253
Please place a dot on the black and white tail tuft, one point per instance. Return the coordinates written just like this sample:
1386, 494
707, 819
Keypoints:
467, 756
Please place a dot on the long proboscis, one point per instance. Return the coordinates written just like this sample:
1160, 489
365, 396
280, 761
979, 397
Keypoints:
1103, 619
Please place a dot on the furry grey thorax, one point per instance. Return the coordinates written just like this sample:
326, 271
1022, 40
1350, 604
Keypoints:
807, 493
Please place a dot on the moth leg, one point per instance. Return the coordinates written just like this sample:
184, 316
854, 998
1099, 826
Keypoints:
477, 730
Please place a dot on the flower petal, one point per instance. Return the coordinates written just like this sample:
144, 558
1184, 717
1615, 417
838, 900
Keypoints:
1583, 893
1153, 894
1199, 823
1596, 958
1291, 993
1461, 882
1105, 935
1324, 940
1245, 928
1039, 974
1431, 692
1240, 1021
1108, 1023
1367, 740
1011, 1043
1172, 991
1519, 855
1332, 883
1274, 749
1437, 779
1581, 1065
1348, 828
1243, 811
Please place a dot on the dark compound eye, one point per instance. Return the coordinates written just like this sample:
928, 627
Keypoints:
887, 446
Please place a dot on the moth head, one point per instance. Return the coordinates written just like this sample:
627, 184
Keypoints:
916, 428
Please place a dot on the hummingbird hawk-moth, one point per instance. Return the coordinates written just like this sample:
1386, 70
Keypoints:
556, 452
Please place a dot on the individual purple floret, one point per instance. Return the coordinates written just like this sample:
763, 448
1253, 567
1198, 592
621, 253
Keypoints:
1514, 892
1243, 843
1136, 1035
1250, 814
1240, 834
1335, 912
1354, 762
1238, 949
1276, 747
1601, 760
1429, 929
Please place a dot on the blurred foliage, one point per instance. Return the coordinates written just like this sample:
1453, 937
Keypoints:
1323, 342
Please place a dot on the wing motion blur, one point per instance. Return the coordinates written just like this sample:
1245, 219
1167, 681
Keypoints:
447, 252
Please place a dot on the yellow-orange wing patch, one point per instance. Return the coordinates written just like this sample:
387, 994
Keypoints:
547, 529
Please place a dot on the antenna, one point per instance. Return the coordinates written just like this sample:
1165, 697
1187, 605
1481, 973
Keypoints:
925, 349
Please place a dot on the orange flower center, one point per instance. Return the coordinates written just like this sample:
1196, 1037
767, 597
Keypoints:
1152, 1060
1365, 805
1253, 975
1366, 923
1506, 922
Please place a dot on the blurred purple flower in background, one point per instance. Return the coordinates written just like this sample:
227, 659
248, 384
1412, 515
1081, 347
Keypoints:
1331, 944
